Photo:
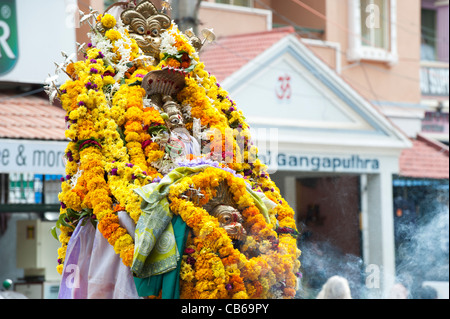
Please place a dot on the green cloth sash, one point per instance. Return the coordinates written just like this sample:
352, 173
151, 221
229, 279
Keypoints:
168, 283
155, 250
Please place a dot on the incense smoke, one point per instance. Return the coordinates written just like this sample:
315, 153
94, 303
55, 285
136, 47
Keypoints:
422, 254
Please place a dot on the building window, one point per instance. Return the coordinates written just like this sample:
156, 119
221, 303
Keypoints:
242, 3
428, 45
373, 30
434, 27
21, 188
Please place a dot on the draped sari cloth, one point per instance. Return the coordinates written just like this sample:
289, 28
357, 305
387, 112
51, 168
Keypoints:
92, 269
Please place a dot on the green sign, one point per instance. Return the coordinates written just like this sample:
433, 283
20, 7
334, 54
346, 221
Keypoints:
9, 44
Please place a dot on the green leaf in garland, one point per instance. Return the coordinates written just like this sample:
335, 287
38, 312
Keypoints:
122, 135
62, 221
165, 56
88, 143
136, 83
191, 67
157, 129
53, 232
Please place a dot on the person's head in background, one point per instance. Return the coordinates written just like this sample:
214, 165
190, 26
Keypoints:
336, 287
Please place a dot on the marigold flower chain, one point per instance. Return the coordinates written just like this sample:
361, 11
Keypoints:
93, 128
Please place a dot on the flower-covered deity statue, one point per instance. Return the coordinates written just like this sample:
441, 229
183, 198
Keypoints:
154, 203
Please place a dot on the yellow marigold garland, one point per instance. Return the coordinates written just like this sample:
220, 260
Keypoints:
95, 145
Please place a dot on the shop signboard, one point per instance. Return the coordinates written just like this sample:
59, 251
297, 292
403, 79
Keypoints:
9, 45
338, 163
435, 122
37, 157
32, 36
434, 81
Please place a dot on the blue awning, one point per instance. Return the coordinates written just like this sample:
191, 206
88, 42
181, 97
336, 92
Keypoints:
412, 182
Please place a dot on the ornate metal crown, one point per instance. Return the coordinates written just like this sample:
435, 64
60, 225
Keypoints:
146, 24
